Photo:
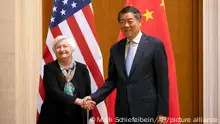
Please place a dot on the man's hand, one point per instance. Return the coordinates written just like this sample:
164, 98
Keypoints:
88, 104
161, 119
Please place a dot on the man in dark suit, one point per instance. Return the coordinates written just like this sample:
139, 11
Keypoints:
138, 69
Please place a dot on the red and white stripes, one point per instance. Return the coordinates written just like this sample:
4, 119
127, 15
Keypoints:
81, 28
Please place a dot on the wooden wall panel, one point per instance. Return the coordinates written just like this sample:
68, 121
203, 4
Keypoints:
185, 26
179, 15
46, 14
107, 25
200, 56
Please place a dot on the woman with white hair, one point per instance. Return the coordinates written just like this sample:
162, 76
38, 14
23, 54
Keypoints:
66, 83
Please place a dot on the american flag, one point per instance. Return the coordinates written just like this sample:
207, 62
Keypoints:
74, 18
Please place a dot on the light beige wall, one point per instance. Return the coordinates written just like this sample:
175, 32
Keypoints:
20, 53
7, 62
211, 60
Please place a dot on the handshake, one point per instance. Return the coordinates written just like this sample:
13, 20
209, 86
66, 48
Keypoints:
86, 103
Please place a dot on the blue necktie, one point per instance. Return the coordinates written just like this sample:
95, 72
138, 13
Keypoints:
130, 56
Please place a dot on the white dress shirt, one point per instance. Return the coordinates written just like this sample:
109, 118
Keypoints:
136, 41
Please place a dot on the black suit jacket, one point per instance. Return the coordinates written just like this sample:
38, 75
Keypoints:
144, 93
58, 107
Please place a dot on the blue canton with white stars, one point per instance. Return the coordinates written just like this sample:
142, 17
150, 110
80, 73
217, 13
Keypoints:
63, 9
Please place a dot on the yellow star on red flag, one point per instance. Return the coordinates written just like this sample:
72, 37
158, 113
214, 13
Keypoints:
148, 14
162, 4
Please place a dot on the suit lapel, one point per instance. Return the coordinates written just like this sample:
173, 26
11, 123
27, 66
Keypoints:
139, 53
121, 56
61, 79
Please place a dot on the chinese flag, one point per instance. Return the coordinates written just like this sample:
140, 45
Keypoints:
154, 23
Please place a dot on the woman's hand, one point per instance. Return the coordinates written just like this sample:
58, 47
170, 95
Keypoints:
79, 102
85, 103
